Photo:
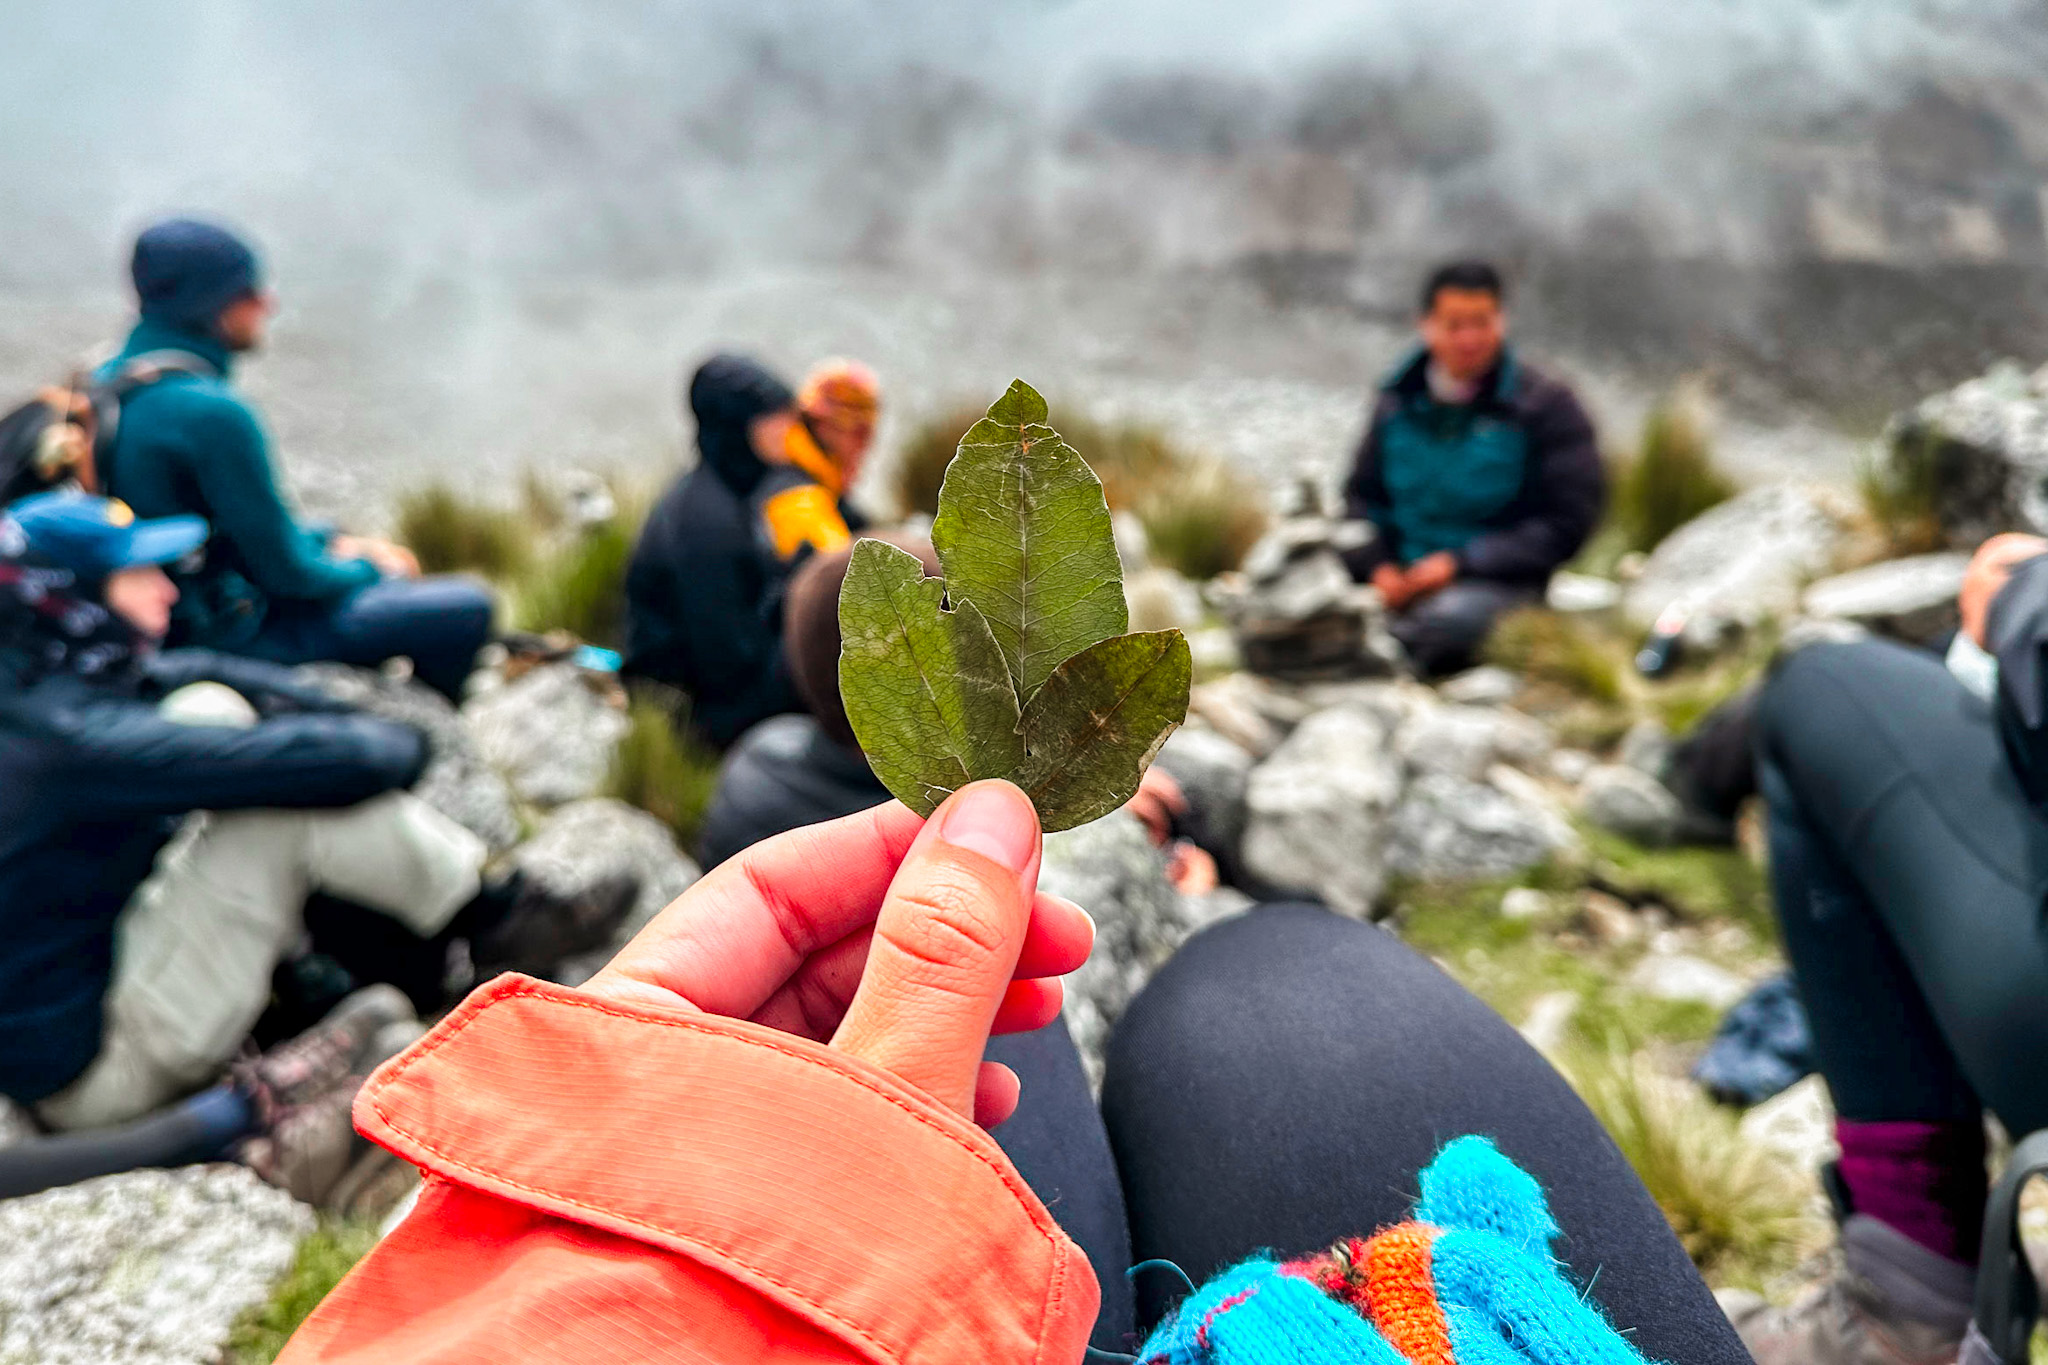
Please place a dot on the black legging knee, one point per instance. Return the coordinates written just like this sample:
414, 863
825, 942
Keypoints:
1286, 1076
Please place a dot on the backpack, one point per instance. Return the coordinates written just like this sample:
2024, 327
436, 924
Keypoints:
62, 435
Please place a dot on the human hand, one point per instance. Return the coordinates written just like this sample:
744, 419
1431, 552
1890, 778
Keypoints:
1431, 572
900, 941
1393, 586
1158, 803
392, 560
1989, 569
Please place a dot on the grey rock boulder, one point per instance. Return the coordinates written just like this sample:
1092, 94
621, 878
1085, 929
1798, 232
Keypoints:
1911, 599
1319, 810
145, 1268
1739, 564
1627, 801
586, 842
1466, 741
458, 781
1110, 869
552, 731
1452, 828
1982, 447
1487, 685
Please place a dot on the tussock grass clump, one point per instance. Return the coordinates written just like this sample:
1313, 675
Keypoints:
329, 1253
1199, 514
451, 534
1741, 1213
660, 767
1672, 478
1693, 883
1901, 489
581, 587
1547, 646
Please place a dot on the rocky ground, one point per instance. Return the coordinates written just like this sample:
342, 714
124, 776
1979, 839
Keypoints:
1510, 822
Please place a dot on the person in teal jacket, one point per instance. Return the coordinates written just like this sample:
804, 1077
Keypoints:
186, 441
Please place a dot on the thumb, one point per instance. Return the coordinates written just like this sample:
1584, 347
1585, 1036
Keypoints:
946, 943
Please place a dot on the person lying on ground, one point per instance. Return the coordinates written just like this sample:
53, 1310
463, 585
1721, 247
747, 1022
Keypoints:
1908, 824
704, 588
188, 442
1480, 474
759, 1134
807, 766
138, 938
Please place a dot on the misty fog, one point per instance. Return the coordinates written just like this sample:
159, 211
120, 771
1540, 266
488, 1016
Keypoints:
501, 231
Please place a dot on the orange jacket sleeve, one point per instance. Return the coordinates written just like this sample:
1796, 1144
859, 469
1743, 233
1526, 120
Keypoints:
610, 1183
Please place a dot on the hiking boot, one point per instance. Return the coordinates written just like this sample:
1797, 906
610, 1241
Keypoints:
338, 1046
1891, 1301
542, 927
308, 1148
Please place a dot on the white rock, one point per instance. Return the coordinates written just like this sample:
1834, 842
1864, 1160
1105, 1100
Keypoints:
145, 1268
1797, 1123
1319, 810
1572, 765
1449, 827
1550, 1014
1912, 599
1646, 747
1610, 919
1110, 869
1247, 709
1524, 902
1213, 650
1133, 546
1630, 803
1162, 599
1679, 976
1487, 685
458, 781
1740, 563
551, 732
1579, 592
15, 1124
1465, 741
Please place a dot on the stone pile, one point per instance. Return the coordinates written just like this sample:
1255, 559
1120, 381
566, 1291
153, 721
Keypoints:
1979, 451
1295, 611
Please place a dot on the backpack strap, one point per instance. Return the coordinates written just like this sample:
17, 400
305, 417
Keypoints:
137, 372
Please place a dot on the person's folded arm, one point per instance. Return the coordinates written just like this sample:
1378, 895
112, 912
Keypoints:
1567, 487
749, 1138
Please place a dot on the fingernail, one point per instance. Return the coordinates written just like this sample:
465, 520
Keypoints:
995, 820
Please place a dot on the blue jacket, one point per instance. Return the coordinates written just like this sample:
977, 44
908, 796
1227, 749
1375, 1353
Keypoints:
192, 444
93, 783
1511, 484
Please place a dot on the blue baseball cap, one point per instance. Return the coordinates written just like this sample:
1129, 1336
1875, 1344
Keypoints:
94, 537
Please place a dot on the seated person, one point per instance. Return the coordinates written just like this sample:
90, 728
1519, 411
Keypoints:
758, 1134
136, 954
1908, 823
188, 442
704, 589
1480, 475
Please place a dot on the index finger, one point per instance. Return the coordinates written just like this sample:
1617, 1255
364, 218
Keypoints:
729, 942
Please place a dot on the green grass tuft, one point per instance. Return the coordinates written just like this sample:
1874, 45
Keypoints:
581, 587
1901, 489
1547, 646
1695, 884
1672, 478
1741, 1214
660, 767
453, 535
323, 1259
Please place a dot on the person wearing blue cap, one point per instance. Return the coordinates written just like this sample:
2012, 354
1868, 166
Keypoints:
186, 441
137, 947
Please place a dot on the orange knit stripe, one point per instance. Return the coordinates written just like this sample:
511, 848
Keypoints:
1400, 1296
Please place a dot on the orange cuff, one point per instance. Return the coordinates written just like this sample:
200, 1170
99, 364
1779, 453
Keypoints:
844, 1198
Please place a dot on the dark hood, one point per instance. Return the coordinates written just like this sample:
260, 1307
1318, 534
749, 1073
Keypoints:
51, 620
186, 271
727, 393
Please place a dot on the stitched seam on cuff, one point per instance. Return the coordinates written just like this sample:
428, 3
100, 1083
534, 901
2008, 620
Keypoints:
432, 1044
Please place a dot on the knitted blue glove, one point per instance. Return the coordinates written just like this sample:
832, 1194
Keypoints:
1470, 1282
